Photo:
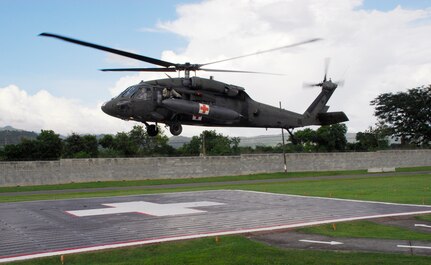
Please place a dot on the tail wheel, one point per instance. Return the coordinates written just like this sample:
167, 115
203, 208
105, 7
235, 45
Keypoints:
175, 129
152, 130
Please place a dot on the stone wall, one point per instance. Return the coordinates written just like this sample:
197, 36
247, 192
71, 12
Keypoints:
103, 169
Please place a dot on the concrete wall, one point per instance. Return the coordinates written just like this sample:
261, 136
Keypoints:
102, 169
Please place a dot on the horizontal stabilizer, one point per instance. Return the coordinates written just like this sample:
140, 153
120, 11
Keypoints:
332, 117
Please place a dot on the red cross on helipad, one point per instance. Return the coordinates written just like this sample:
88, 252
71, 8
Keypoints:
204, 109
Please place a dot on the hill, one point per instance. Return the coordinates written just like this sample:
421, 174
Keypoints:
10, 135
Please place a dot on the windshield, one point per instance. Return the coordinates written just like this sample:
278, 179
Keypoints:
129, 92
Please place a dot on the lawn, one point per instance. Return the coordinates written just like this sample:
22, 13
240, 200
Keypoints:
426, 217
412, 189
366, 229
229, 250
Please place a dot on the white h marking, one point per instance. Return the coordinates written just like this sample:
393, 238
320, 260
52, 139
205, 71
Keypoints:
149, 208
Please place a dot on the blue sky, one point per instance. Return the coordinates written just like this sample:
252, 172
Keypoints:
385, 5
36, 63
70, 71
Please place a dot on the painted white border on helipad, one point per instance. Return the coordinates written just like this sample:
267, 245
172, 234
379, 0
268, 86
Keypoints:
231, 232
336, 199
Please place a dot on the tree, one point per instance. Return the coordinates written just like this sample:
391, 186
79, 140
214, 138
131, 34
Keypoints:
306, 139
125, 145
72, 145
136, 142
406, 115
218, 144
2, 154
77, 146
107, 141
90, 145
193, 148
327, 138
26, 150
370, 140
46, 146
140, 137
331, 138
150, 145
234, 143
211, 143
49, 145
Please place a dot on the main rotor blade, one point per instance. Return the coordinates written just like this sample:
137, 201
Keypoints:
310, 85
339, 83
111, 50
236, 71
139, 70
265, 51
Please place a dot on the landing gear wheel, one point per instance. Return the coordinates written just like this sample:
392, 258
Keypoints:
152, 130
175, 129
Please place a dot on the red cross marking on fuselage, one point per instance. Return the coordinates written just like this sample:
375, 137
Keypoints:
204, 109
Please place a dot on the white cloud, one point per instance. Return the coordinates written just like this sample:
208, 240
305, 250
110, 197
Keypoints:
45, 111
383, 51
121, 60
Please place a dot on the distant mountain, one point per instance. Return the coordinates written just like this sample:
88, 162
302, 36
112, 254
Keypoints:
9, 128
178, 141
10, 135
262, 140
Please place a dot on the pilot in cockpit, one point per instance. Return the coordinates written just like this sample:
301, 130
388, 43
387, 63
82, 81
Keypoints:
170, 93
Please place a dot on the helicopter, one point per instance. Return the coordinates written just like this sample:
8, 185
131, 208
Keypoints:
206, 102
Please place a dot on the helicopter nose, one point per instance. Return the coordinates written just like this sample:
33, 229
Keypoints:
107, 108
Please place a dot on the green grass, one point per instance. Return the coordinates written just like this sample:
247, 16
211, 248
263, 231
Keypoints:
366, 229
425, 217
413, 169
229, 250
412, 189
132, 183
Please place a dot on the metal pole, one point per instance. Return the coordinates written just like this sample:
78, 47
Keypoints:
284, 152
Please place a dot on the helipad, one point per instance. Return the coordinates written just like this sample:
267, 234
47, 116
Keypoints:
46, 228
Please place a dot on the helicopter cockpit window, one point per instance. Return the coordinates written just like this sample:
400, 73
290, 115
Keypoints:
129, 92
144, 93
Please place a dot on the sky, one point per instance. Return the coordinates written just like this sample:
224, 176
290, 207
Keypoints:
375, 47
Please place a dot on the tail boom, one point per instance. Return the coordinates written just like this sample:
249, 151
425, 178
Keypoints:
317, 113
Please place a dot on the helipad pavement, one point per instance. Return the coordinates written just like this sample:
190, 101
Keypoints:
46, 228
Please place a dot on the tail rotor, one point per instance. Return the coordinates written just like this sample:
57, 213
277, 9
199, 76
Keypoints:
325, 84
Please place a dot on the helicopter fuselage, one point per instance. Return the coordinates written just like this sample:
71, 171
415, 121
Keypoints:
197, 101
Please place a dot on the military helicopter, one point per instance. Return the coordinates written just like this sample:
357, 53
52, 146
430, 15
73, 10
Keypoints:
206, 102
